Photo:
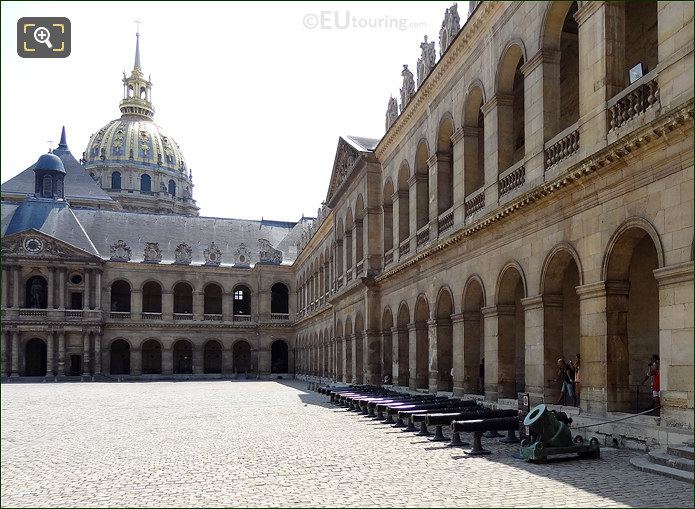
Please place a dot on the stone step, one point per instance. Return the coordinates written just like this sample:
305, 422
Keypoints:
682, 451
642, 463
669, 460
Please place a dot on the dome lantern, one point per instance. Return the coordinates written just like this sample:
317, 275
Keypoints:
137, 91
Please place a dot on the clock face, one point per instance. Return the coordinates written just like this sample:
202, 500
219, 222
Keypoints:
33, 245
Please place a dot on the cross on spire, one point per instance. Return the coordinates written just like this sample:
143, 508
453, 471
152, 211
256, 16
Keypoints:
137, 45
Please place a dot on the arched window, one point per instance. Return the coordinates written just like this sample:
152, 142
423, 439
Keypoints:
212, 300
242, 301
183, 298
279, 299
115, 180
145, 183
120, 296
143, 93
151, 297
36, 293
387, 207
172, 188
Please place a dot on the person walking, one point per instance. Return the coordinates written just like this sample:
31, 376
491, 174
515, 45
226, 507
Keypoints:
653, 373
566, 374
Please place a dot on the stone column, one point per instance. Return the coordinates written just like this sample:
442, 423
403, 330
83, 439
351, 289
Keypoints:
433, 169
97, 289
51, 289
97, 352
458, 356
167, 359
136, 361
491, 112
593, 328
540, 355
5, 287
87, 290
491, 326
263, 361
61, 353
433, 367
372, 361
347, 359
136, 303
198, 360
49, 354
676, 337
85, 354
15, 288
16, 337
61, 288
412, 355
3, 352
167, 305
198, 305
457, 167
227, 360
227, 306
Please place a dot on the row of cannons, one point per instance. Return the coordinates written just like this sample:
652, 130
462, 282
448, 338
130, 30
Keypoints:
543, 432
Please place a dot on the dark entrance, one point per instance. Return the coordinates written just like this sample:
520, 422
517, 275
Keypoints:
278, 357
241, 354
151, 357
36, 295
75, 365
183, 357
35, 355
76, 300
120, 358
212, 361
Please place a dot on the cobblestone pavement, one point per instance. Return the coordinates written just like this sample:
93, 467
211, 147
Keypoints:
247, 443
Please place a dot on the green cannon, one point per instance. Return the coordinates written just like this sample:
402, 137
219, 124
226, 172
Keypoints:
550, 435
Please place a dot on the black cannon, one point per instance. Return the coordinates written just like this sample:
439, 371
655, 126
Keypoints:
551, 435
417, 405
453, 409
438, 420
478, 426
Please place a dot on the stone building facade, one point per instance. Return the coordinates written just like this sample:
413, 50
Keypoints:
532, 200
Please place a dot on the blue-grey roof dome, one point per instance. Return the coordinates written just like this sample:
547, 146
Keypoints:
50, 162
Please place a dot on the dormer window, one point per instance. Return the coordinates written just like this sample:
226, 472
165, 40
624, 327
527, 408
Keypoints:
47, 186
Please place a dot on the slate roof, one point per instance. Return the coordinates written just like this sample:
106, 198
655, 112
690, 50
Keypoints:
52, 217
362, 144
78, 184
105, 227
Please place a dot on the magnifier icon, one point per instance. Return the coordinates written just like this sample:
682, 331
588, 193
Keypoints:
43, 36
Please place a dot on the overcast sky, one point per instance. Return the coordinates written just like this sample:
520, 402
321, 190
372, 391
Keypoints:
255, 94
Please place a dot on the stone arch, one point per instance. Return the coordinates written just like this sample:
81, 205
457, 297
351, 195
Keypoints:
473, 377
386, 350
212, 357
152, 296
359, 231
474, 138
422, 185
183, 298
440, 377
241, 356
403, 190
445, 162
348, 338
35, 357
120, 295
632, 311
403, 342
339, 349
511, 347
358, 348
241, 300
387, 210
183, 357
151, 352
119, 357
560, 276
36, 292
509, 86
212, 298
279, 356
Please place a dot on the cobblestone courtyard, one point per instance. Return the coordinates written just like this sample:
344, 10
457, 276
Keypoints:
250, 443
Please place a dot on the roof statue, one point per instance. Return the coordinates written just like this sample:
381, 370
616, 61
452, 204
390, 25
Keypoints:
183, 254
426, 62
450, 28
408, 88
391, 112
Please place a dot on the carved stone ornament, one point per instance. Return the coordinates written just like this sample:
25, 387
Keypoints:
120, 252
268, 254
33, 245
426, 62
213, 255
11, 246
391, 112
450, 27
408, 88
183, 254
242, 256
55, 249
152, 253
